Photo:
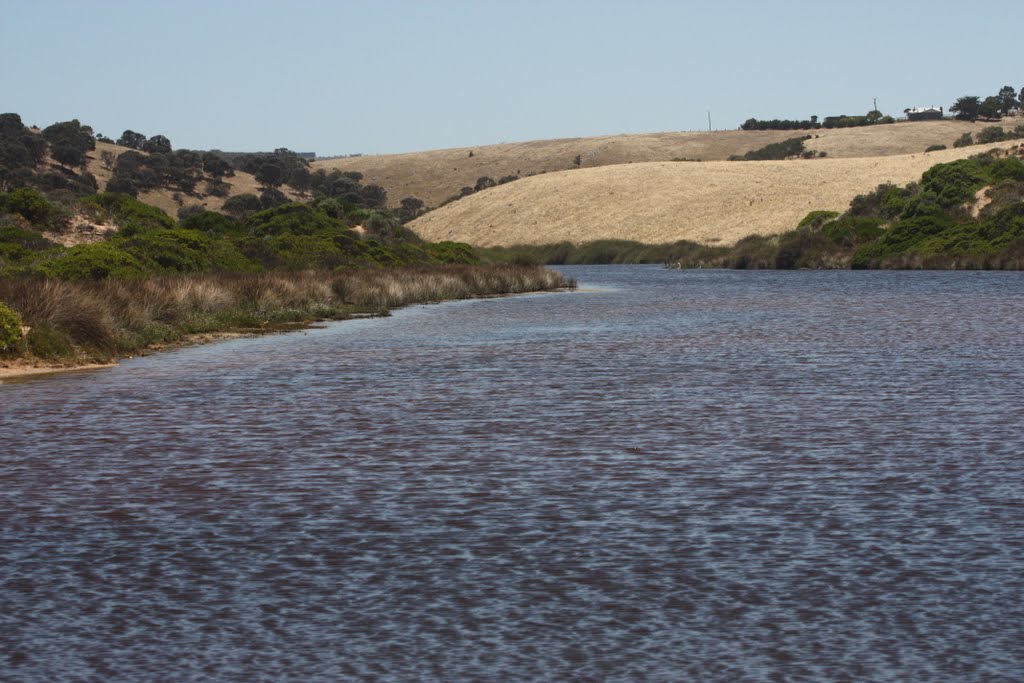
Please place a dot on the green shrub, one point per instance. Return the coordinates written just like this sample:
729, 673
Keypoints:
886, 200
815, 219
10, 328
934, 148
992, 134
29, 203
853, 230
94, 262
48, 343
241, 205
956, 182
211, 223
292, 219
451, 252
129, 214
179, 251
20, 246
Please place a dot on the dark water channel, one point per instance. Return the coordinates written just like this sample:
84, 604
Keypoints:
667, 476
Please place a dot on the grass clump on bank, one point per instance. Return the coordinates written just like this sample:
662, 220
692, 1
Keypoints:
77, 321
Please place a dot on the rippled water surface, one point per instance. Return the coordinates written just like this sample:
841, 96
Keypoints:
666, 476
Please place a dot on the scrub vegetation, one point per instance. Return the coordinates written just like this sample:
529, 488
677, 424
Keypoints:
90, 276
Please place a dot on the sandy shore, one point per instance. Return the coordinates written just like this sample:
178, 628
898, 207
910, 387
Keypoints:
19, 368
16, 369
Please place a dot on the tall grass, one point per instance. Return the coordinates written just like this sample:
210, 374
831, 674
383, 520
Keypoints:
105, 319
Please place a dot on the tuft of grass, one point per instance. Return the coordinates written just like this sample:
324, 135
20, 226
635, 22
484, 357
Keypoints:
107, 318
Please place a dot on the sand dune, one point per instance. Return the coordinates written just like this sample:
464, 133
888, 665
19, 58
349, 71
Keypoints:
710, 202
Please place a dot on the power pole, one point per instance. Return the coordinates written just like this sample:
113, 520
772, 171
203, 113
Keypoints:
875, 100
709, 120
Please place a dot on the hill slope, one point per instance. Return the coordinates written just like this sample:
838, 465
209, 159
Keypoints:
711, 202
170, 200
437, 175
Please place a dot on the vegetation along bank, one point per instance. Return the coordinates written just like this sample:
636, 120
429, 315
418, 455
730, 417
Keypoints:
88, 277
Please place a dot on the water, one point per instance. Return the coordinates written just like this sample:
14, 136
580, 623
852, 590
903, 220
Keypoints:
669, 475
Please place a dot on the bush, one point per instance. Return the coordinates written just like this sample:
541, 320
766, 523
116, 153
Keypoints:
10, 328
48, 343
94, 262
851, 230
934, 148
241, 205
29, 203
965, 140
992, 134
211, 222
793, 147
815, 219
130, 215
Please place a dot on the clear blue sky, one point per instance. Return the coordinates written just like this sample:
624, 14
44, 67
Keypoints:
381, 76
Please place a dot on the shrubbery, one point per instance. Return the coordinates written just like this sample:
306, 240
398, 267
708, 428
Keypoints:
794, 147
10, 328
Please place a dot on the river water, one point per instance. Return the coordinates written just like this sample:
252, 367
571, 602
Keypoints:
665, 476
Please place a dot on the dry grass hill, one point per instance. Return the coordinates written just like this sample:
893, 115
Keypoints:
628, 186
715, 202
437, 175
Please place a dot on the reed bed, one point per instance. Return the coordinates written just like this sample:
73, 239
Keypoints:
79, 321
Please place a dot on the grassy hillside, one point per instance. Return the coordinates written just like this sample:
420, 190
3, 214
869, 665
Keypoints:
716, 202
435, 176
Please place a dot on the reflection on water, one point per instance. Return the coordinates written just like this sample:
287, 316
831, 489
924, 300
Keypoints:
675, 476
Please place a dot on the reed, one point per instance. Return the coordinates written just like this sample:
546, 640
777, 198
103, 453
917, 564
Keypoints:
86, 320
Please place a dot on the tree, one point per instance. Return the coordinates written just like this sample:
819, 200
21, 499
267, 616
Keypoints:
989, 108
967, 107
410, 208
10, 126
300, 179
70, 134
68, 156
216, 166
270, 175
374, 196
242, 204
131, 139
271, 197
1007, 100
158, 144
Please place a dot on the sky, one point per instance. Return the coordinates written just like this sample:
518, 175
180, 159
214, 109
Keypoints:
386, 76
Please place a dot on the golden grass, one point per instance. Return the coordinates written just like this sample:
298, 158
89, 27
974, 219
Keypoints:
110, 318
711, 203
433, 176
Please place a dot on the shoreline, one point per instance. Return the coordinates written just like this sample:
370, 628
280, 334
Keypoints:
31, 368
25, 369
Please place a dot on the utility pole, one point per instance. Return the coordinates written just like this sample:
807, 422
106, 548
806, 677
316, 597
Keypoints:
709, 119
875, 100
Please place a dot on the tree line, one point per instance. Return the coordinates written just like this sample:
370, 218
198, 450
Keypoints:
992, 108
968, 107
